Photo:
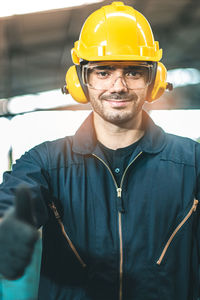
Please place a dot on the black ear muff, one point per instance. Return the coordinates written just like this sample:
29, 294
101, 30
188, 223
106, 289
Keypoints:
74, 84
159, 84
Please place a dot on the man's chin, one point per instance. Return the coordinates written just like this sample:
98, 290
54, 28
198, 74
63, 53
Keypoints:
118, 118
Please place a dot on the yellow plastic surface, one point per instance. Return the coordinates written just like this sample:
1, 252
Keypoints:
74, 86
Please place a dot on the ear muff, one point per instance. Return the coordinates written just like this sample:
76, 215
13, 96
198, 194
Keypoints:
159, 84
74, 86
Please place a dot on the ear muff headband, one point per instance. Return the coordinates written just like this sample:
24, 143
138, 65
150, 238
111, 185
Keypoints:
79, 92
151, 86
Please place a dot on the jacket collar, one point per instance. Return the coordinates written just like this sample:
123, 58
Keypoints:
153, 141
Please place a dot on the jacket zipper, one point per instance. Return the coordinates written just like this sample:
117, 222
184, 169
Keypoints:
55, 211
119, 195
192, 209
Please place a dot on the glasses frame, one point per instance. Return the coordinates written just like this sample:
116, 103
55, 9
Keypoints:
121, 64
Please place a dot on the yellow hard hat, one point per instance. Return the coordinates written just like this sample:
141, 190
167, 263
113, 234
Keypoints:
116, 32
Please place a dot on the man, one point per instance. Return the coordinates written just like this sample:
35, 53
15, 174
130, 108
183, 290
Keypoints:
118, 201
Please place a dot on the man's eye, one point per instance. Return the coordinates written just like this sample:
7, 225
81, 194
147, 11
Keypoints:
102, 74
134, 74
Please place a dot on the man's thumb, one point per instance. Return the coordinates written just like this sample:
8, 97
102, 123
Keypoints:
24, 208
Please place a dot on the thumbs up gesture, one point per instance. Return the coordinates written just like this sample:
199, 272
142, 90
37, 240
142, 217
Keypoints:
18, 236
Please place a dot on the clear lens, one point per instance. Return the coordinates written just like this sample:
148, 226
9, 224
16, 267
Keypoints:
104, 75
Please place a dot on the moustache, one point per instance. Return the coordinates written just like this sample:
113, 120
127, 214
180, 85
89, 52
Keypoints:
119, 96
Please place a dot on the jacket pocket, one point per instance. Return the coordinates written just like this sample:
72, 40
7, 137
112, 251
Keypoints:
57, 216
192, 209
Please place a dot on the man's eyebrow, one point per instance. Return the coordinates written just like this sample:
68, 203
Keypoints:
104, 67
112, 68
133, 67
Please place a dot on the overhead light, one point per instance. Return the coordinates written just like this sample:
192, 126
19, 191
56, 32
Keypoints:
183, 77
10, 7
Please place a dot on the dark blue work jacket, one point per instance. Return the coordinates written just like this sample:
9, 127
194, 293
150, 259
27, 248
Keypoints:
101, 241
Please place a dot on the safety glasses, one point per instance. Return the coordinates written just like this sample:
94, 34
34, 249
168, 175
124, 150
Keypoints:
104, 75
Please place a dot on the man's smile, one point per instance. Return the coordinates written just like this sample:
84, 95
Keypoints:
118, 103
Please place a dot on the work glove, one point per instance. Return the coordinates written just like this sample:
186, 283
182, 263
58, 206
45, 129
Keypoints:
18, 235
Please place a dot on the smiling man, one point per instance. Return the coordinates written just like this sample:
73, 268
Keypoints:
118, 201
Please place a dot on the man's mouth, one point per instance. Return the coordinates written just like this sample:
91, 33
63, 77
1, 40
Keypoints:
120, 100
119, 97
118, 103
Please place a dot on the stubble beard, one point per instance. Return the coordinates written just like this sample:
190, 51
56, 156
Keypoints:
117, 116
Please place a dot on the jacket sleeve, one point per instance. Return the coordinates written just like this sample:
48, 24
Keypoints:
30, 170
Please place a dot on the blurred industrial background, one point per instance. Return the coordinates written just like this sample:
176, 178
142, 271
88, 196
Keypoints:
35, 50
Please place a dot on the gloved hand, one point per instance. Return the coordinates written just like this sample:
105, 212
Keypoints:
18, 236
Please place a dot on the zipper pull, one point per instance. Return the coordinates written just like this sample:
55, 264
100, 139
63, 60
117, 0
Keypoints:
120, 204
195, 204
119, 192
54, 209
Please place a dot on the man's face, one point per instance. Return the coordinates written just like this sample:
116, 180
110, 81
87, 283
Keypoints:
117, 92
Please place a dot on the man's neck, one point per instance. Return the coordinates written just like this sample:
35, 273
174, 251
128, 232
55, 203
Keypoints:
115, 136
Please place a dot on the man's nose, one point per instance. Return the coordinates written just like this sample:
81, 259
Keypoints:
119, 84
